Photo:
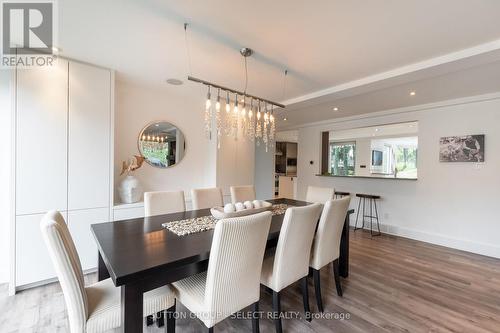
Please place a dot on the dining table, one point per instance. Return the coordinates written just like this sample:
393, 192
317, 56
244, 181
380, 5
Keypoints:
140, 255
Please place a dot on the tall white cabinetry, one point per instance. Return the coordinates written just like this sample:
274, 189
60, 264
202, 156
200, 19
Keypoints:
63, 160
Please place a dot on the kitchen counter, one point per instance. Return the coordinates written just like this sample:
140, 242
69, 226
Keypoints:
367, 177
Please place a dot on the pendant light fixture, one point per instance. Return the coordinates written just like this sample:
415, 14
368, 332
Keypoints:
253, 120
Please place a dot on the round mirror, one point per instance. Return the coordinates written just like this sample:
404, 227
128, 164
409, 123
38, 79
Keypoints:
162, 144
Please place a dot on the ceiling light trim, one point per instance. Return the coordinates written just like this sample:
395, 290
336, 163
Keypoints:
408, 69
396, 111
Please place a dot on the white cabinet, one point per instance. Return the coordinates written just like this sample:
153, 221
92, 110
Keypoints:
89, 136
41, 139
79, 226
128, 211
64, 151
287, 187
33, 263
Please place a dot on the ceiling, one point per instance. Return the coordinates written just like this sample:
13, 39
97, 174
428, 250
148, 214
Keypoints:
389, 130
410, 141
332, 49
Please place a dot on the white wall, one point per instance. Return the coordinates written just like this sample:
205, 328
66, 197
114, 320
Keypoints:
264, 172
5, 189
363, 157
453, 204
235, 164
137, 105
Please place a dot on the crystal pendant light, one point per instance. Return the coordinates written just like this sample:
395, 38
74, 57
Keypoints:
244, 118
265, 136
258, 126
228, 122
218, 119
251, 123
235, 117
272, 130
208, 115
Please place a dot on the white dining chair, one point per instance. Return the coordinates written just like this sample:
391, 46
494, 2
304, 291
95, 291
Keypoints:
326, 244
163, 202
207, 197
95, 308
319, 194
242, 193
231, 282
290, 262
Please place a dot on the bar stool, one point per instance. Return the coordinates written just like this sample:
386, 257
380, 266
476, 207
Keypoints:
373, 203
339, 194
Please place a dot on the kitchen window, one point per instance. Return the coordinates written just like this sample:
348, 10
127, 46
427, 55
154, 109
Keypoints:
342, 158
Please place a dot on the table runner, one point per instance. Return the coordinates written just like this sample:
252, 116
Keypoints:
204, 223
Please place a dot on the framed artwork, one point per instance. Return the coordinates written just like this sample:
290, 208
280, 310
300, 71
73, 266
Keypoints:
466, 148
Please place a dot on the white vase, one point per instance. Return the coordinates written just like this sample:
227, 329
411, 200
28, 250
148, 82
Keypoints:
130, 190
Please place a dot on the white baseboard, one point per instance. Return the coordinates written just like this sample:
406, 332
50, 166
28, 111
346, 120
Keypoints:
47, 281
489, 250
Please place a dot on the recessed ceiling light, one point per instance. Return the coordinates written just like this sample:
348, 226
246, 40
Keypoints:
376, 129
412, 93
157, 125
175, 82
284, 119
335, 109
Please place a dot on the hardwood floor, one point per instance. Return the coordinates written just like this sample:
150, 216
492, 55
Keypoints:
395, 285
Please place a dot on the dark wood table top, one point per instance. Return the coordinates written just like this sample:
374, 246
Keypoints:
134, 248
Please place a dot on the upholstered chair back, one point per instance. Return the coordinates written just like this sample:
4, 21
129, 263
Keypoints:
291, 260
67, 264
161, 202
319, 194
235, 264
207, 198
326, 245
242, 193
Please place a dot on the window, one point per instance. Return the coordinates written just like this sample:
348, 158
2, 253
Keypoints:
398, 156
342, 158
406, 161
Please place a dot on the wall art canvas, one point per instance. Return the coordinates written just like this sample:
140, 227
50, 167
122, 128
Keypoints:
466, 148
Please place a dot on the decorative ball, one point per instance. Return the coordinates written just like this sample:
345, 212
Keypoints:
257, 203
229, 208
248, 204
239, 206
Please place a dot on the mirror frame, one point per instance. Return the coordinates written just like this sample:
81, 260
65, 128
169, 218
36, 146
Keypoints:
139, 144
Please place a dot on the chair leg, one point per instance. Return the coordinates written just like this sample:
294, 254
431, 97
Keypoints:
376, 214
149, 320
255, 317
277, 311
364, 212
357, 215
211, 330
160, 319
305, 297
317, 289
337, 277
310, 274
371, 217
170, 315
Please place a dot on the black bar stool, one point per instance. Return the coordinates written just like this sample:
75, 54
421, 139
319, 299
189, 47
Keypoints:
373, 203
339, 194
